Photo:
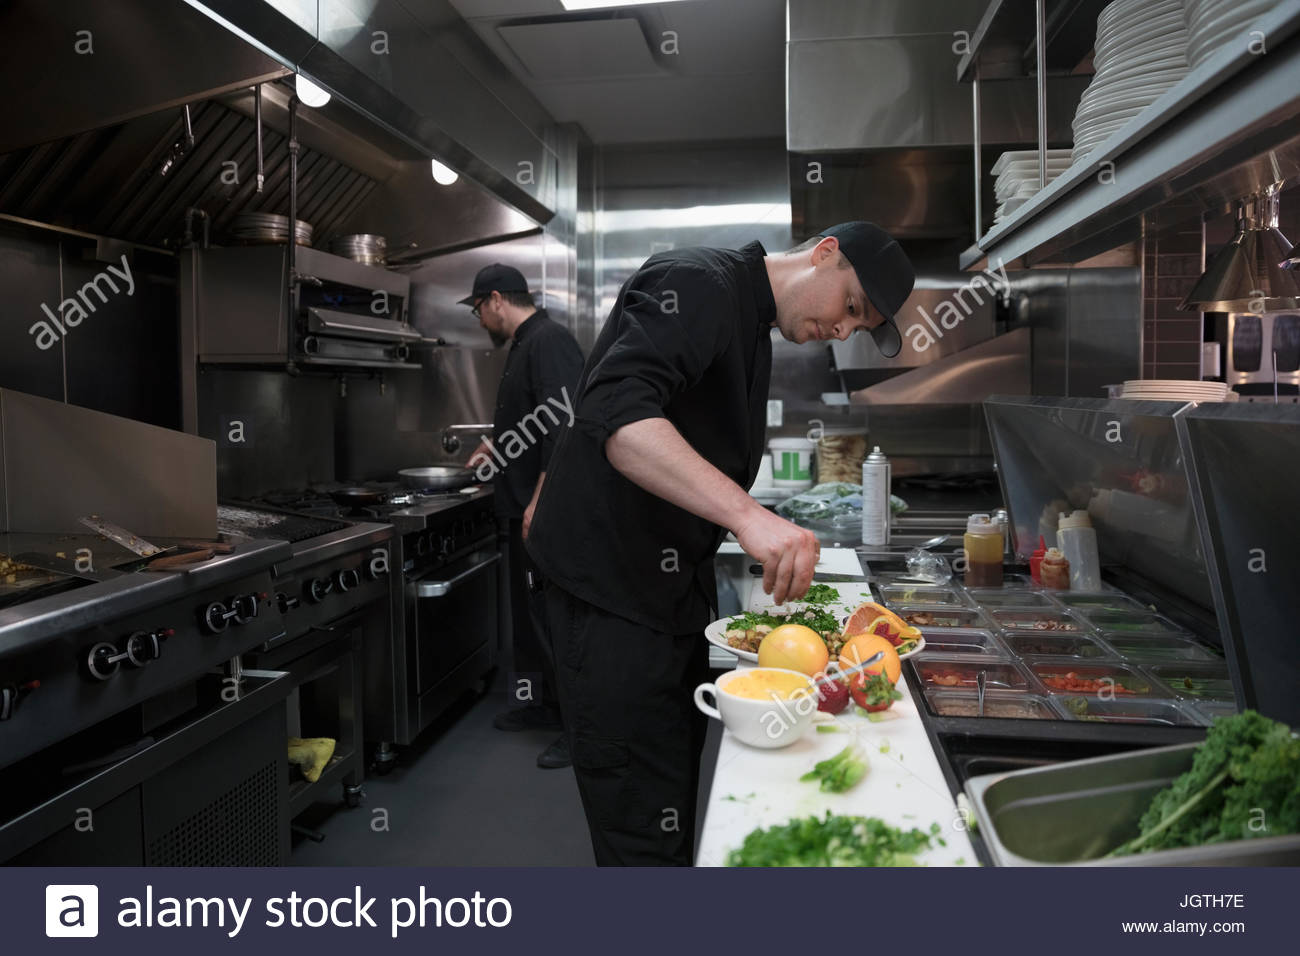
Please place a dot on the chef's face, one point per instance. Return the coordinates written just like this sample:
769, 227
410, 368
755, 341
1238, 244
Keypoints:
490, 316
825, 299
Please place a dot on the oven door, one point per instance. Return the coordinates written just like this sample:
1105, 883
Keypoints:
451, 616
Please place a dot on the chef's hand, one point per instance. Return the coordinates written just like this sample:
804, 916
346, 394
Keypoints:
483, 449
532, 506
787, 552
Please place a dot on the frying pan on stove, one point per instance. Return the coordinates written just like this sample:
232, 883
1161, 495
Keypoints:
357, 497
436, 478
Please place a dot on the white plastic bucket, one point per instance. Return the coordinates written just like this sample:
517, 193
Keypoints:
791, 462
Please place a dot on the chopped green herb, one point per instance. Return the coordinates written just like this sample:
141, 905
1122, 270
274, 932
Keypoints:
831, 841
960, 861
884, 748
876, 716
830, 729
821, 594
840, 772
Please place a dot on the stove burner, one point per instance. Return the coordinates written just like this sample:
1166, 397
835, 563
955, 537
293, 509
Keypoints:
269, 524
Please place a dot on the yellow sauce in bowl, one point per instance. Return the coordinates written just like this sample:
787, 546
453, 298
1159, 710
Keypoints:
760, 684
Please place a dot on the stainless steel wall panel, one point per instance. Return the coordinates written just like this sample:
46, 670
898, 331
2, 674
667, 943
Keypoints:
1087, 327
62, 462
1105, 330
829, 19
272, 430
673, 196
905, 93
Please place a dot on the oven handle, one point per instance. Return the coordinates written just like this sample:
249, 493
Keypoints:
435, 589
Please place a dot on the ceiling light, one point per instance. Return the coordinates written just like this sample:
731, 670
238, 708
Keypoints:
443, 175
309, 93
597, 4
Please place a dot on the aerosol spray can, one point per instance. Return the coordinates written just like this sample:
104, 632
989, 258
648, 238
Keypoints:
875, 498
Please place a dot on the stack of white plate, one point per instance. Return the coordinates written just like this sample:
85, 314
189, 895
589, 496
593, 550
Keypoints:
1017, 177
1177, 390
1212, 23
1141, 51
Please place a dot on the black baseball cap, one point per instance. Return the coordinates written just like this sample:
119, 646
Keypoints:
496, 278
885, 272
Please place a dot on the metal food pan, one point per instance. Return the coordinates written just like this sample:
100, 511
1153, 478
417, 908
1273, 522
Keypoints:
997, 705
938, 595
1156, 648
1009, 597
1097, 600
1056, 644
964, 641
1138, 682
955, 671
1130, 710
1129, 621
1196, 681
1074, 813
927, 617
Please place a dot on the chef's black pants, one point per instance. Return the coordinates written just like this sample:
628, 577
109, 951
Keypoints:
635, 734
532, 651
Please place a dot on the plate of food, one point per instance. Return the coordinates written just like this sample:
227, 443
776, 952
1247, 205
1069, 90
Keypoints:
741, 634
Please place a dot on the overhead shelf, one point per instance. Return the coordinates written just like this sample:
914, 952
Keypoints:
1005, 42
1227, 129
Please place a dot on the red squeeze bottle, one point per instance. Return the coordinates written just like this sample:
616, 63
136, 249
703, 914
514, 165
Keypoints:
1036, 561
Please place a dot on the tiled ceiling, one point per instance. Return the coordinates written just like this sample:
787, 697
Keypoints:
699, 70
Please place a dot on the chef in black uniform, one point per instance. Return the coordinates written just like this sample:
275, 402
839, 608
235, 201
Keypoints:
538, 384
668, 432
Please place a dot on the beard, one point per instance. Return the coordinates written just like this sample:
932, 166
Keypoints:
498, 339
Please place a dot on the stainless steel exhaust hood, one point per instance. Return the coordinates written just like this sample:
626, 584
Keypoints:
1248, 274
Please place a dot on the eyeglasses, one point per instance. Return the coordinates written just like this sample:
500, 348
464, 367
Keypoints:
478, 304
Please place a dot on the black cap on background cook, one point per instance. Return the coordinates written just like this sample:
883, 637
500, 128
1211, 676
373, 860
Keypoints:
496, 278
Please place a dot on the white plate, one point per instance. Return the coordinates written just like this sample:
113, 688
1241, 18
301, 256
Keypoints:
1024, 155
716, 634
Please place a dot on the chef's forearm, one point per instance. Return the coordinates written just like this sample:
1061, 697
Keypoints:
654, 455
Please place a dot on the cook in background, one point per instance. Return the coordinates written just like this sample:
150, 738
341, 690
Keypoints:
543, 365
668, 433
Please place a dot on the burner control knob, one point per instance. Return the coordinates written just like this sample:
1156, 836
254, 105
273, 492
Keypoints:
346, 579
245, 606
216, 617
318, 588
12, 694
286, 602
144, 647
422, 544
104, 660
446, 544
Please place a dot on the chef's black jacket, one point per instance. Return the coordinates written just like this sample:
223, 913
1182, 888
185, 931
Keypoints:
544, 363
688, 340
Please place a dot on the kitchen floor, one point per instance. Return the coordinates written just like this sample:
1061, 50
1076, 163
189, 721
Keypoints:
465, 794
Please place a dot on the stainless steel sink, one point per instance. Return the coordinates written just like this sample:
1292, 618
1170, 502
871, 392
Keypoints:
1074, 813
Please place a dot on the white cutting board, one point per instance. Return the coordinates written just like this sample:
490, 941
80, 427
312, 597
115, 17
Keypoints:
832, 560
